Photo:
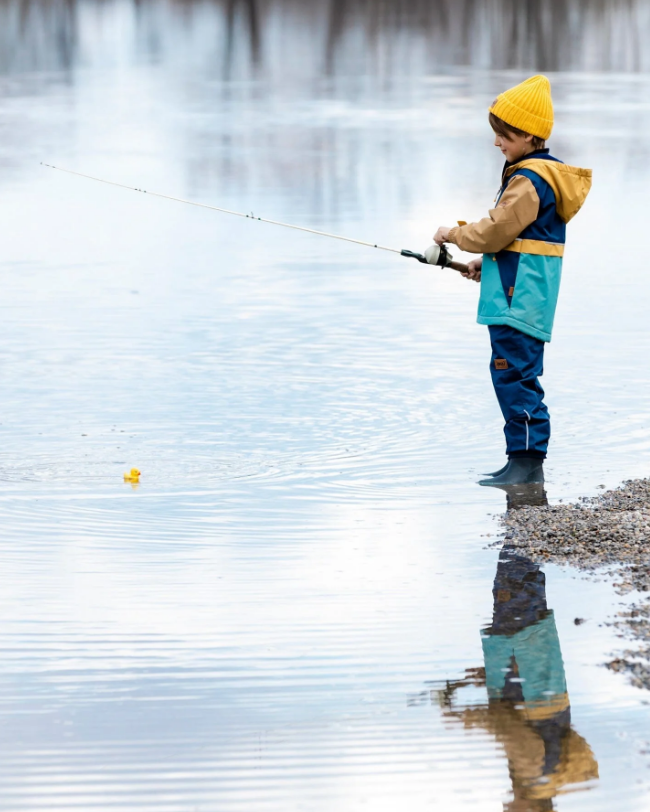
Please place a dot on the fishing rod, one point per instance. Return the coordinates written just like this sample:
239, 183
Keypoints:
434, 255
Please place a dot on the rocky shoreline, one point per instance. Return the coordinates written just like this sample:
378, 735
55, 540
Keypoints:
608, 533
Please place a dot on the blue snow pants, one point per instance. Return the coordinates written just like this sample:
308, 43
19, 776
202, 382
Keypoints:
517, 363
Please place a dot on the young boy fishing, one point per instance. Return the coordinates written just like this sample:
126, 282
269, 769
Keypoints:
522, 242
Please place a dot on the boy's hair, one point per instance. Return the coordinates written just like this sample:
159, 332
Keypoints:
505, 130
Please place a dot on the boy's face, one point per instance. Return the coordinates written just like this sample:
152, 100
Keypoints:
514, 147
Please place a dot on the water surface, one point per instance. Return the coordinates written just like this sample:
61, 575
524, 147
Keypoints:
272, 618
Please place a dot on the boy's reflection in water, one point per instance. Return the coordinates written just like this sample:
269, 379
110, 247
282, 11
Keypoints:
528, 706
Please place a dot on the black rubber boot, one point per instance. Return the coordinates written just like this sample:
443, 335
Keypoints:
500, 471
520, 471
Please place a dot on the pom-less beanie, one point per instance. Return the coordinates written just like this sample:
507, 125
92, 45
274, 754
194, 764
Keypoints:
527, 107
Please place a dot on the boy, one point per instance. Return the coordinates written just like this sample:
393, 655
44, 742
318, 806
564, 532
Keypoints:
522, 242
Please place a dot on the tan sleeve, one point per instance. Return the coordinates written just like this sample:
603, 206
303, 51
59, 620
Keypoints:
517, 209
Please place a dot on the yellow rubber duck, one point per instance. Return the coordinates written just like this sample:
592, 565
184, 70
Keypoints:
132, 476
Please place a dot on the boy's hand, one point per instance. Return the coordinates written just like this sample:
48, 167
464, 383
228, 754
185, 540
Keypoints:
442, 235
474, 270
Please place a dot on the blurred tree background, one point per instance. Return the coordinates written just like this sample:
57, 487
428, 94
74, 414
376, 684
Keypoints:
244, 37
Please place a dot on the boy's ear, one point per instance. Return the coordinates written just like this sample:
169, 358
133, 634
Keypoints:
528, 138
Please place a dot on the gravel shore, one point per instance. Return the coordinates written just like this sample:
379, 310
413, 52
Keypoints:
609, 533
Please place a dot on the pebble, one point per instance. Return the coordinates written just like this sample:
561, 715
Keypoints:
608, 533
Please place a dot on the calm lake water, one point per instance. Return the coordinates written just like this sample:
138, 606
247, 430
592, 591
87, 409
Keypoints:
293, 609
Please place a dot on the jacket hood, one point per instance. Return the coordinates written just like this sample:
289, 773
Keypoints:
570, 184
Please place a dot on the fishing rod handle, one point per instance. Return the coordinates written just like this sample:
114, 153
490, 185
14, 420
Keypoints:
458, 266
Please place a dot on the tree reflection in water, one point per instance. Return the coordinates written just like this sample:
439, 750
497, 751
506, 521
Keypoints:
527, 708
363, 37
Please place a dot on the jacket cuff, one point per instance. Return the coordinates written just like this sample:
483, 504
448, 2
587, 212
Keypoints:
452, 235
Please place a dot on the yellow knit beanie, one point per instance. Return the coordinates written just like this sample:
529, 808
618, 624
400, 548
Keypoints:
527, 107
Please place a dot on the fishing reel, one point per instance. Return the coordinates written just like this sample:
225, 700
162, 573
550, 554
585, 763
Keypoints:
437, 255
434, 255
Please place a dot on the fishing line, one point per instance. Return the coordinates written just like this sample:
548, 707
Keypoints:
435, 255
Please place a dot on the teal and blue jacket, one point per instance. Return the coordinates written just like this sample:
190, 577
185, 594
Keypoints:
522, 241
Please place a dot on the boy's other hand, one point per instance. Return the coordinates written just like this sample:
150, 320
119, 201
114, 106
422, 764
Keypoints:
442, 235
474, 270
